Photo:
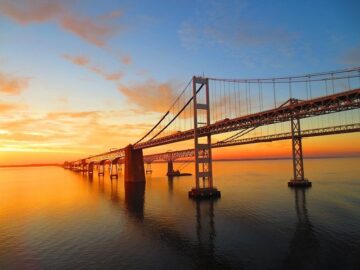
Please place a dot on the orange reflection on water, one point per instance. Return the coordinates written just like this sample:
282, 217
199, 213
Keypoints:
29, 192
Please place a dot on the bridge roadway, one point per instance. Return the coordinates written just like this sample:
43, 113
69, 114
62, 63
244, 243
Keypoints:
301, 109
171, 156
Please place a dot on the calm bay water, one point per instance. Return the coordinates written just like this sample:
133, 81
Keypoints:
51, 218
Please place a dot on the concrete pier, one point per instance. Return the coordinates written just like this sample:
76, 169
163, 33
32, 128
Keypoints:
204, 193
134, 165
299, 183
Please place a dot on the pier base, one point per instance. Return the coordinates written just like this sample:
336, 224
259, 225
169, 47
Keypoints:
299, 183
204, 193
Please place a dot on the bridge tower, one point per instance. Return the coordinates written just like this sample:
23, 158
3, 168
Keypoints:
299, 179
202, 148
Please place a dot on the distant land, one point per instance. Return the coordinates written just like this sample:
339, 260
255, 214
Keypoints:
30, 165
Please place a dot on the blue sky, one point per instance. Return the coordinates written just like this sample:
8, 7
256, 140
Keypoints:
80, 56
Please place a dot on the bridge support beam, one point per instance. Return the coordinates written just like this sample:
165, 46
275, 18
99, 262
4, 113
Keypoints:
84, 168
101, 169
114, 170
91, 168
170, 168
148, 168
299, 179
134, 165
203, 158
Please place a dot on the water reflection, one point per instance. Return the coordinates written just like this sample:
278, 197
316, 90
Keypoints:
206, 236
114, 194
304, 246
135, 199
201, 251
64, 220
170, 185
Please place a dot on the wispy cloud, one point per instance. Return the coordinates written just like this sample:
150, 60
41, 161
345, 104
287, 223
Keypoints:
126, 59
227, 25
84, 61
6, 106
59, 115
80, 131
151, 95
95, 30
12, 85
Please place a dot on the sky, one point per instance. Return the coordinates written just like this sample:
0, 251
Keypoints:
80, 77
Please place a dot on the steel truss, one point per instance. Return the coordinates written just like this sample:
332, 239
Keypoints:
302, 109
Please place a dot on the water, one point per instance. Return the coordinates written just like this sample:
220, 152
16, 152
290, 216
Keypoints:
51, 218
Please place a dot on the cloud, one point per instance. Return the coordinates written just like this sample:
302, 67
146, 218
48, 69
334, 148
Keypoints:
352, 56
126, 59
84, 61
12, 85
150, 95
95, 30
5, 106
84, 132
77, 60
58, 115
31, 11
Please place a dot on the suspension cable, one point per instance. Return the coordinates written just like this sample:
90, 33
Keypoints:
166, 114
183, 108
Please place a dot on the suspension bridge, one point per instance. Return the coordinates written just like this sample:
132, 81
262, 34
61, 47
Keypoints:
236, 112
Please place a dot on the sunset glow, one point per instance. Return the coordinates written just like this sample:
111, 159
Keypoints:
77, 79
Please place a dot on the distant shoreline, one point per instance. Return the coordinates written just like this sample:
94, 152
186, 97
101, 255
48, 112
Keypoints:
180, 161
31, 165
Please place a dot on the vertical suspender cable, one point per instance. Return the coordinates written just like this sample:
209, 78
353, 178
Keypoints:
274, 92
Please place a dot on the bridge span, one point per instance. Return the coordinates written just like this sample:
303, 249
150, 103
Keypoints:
237, 108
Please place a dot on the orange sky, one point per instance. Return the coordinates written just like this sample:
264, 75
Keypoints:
333, 145
96, 76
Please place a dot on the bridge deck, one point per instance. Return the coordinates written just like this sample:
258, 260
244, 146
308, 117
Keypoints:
166, 156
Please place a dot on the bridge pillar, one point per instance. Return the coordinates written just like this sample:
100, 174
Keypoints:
170, 168
148, 168
134, 165
114, 170
203, 158
101, 169
84, 168
91, 168
298, 165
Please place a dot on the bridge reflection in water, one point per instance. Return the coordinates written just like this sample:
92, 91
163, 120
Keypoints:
304, 247
202, 250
